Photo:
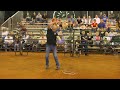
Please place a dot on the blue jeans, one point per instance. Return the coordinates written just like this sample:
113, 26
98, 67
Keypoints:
54, 49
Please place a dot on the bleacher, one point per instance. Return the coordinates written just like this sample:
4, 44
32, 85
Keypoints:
37, 28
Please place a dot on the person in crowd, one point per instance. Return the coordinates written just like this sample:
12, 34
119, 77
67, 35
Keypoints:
84, 42
94, 26
8, 41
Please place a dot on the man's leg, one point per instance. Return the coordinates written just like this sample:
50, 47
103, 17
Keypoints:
47, 55
56, 57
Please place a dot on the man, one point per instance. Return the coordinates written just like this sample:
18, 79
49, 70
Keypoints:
101, 24
8, 41
97, 19
51, 45
84, 43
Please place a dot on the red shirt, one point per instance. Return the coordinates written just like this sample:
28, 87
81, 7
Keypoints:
94, 24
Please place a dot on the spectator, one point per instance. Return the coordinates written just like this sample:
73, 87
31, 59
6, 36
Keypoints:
23, 30
97, 19
28, 18
45, 18
96, 39
71, 19
79, 20
84, 20
101, 24
39, 18
8, 42
111, 34
105, 18
33, 17
42, 40
101, 15
89, 20
4, 33
108, 26
106, 38
94, 26
90, 39
84, 42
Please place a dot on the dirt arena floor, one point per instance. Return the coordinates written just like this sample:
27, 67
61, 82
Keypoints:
94, 66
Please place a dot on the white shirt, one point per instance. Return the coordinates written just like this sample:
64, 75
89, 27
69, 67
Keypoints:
107, 37
4, 34
84, 21
97, 20
8, 40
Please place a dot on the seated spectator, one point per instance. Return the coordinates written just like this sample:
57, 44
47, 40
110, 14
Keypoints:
39, 18
42, 40
101, 24
94, 26
71, 19
4, 33
111, 34
101, 15
79, 20
28, 18
102, 33
33, 17
96, 39
75, 24
35, 43
8, 41
70, 26
90, 39
105, 18
106, 38
45, 18
84, 20
108, 25
89, 20
97, 19
61, 40
23, 30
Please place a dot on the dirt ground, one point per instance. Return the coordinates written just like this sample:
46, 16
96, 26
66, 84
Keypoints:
94, 66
